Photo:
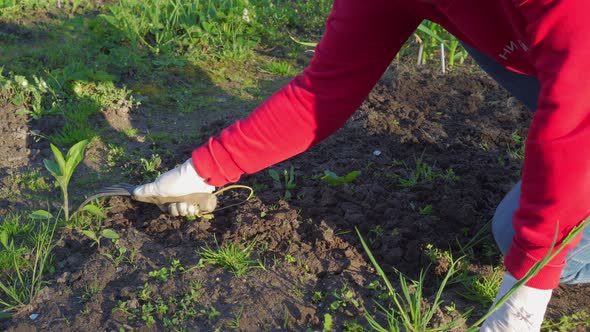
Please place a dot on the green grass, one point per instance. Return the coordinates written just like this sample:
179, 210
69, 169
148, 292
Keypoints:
481, 289
232, 256
279, 68
25, 257
410, 313
424, 173
573, 322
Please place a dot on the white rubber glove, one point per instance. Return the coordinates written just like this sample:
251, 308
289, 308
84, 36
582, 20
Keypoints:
523, 312
182, 180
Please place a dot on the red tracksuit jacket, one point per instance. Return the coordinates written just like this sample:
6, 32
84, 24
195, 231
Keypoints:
549, 39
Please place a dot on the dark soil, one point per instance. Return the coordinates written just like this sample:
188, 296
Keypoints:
461, 121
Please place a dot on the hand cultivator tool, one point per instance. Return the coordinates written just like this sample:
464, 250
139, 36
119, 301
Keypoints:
205, 203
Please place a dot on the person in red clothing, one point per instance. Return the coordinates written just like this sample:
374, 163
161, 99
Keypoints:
537, 49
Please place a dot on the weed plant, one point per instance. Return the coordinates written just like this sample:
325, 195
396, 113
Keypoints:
63, 168
409, 314
334, 179
232, 256
287, 182
424, 173
24, 258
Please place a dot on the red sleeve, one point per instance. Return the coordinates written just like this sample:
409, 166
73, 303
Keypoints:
359, 42
556, 174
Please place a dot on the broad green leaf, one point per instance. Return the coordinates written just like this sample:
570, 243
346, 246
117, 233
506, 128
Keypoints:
59, 158
77, 150
94, 210
74, 157
110, 234
89, 234
53, 168
41, 214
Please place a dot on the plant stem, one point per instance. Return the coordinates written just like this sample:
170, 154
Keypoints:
66, 205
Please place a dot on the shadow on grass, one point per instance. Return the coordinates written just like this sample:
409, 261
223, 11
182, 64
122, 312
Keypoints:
132, 103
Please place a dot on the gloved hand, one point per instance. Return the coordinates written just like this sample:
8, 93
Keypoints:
523, 312
180, 181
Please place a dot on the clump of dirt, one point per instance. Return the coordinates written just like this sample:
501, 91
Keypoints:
460, 125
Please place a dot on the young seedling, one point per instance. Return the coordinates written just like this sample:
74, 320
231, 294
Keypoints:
211, 313
147, 311
423, 173
318, 297
288, 181
343, 298
62, 169
235, 322
119, 256
161, 274
334, 180
150, 167
98, 235
516, 150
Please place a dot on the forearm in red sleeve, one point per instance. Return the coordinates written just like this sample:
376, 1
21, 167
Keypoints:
556, 175
359, 42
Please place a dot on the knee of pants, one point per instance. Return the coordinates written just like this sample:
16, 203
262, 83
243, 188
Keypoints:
502, 228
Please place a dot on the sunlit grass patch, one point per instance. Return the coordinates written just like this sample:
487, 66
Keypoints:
232, 256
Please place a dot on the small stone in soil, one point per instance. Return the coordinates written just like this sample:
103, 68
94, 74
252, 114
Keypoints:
33, 316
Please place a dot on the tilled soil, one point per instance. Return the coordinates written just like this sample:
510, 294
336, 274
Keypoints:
461, 121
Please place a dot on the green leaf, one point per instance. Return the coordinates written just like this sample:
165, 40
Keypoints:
329, 174
274, 175
351, 176
74, 157
4, 238
53, 168
431, 33
41, 214
94, 210
59, 158
334, 180
90, 234
110, 234
327, 323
